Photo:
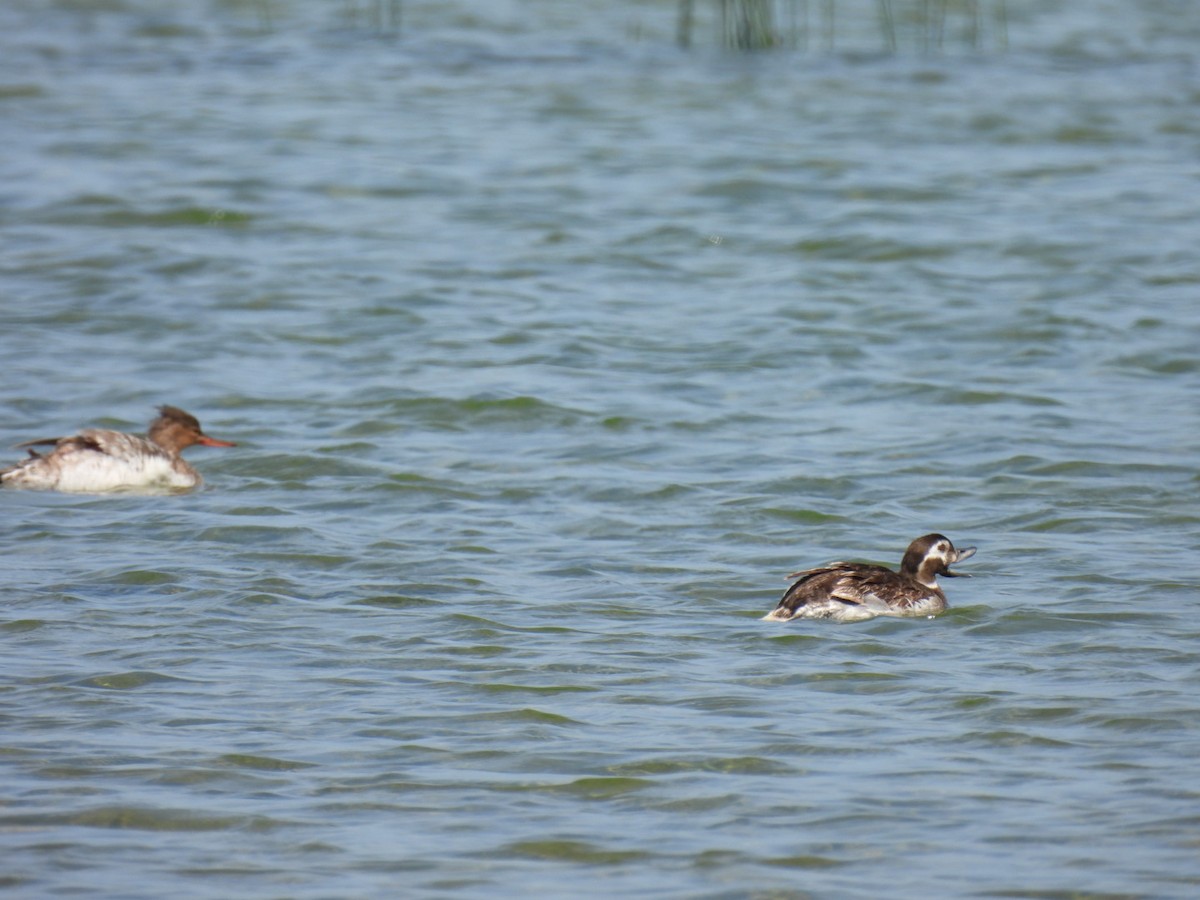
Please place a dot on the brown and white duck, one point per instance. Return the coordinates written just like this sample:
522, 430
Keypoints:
851, 592
97, 460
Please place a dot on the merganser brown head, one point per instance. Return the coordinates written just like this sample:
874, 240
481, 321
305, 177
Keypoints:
175, 430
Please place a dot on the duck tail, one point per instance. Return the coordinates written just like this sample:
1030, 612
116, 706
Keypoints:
779, 614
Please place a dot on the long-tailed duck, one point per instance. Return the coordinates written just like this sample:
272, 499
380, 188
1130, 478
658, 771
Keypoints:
851, 592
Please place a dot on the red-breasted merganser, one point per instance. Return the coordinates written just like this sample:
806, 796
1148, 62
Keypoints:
98, 460
851, 592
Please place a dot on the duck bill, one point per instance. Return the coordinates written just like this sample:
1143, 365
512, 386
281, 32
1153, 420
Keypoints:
206, 441
960, 555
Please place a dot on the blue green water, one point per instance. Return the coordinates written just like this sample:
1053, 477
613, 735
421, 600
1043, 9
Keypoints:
549, 349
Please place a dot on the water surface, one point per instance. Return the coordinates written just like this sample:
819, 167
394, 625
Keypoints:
550, 349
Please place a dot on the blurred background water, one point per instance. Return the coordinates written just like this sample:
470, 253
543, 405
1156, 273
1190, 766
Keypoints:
550, 347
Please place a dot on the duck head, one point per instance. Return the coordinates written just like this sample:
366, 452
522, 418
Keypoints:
933, 555
174, 430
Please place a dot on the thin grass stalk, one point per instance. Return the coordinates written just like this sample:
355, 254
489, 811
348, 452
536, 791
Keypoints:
1001, 13
748, 24
683, 25
888, 24
830, 25
800, 24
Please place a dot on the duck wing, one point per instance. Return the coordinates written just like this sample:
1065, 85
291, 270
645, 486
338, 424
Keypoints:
115, 444
854, 584
882, 590
80, 441
830, 567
